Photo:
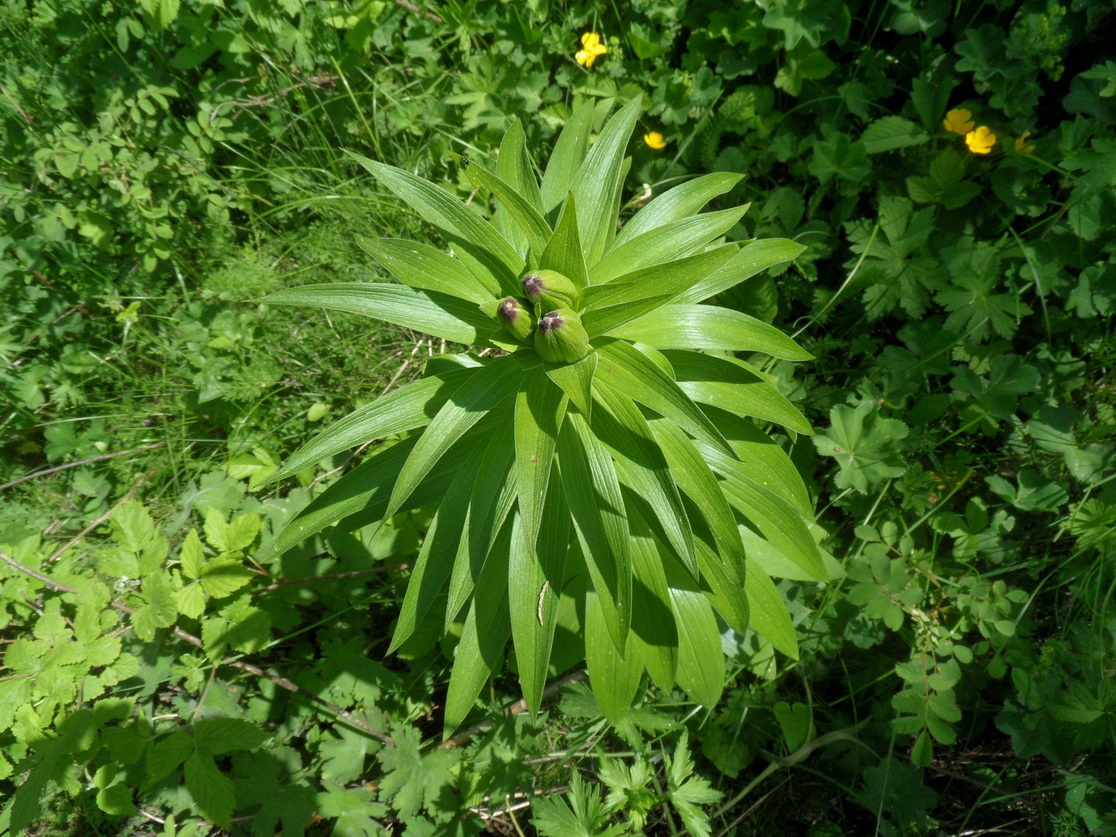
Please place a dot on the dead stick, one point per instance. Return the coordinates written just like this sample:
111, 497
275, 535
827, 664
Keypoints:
80, 462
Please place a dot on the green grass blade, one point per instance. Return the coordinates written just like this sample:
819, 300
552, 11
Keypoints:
563, 252
440, 315
490, 387
753, 257
642, 467
734, 386
597, 507
407, 408
628, 370
674, 326
565, 162
426, 268
673, 241
598, 178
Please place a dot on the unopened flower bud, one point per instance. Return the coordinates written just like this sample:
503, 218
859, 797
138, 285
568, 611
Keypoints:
516, 319
561, 338
550, 290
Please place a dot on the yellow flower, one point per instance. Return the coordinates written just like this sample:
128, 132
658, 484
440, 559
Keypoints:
958, 121
655, 140
1021, 146
591, 47
981, 140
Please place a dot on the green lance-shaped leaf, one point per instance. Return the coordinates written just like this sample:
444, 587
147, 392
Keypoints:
769, 615
628, 370
693, 476
734, 386
360, 498
642, 467
530, 221
563, 252
440, 548
483, 637
576, 380
635, 295
446, 317
598, 180
614, 674
597, 509
490, 387
493, 496
653, 626
753, 257
535, 574
727, 593
425, 268
676, 326
490, 257
672, 241
760, 454
675, 204
540, 408
777, 520
701, 662
566, 160
407, 408
514, 165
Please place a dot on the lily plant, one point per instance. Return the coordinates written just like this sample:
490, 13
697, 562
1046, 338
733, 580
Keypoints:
598, 459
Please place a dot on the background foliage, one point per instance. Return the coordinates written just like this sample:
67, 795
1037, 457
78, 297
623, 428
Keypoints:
169, 163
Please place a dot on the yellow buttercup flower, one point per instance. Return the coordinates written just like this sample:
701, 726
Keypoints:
1021, 146
654, 140
981, 140
591, 48
959, 121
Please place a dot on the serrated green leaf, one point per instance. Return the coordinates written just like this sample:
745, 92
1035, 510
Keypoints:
864, 444
160, 610
628, 370
132, 526
190, 601
211, 790
217, 736
165, 755
430, 312
116, 801
891, 132
597, 508
192, 555
708, 327
223, 578
425, 268
677, 203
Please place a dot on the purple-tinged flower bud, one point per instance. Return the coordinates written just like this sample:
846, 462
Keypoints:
550, 289
560, 337
516, 319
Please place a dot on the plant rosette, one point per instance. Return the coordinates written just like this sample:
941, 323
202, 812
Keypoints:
600, 489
